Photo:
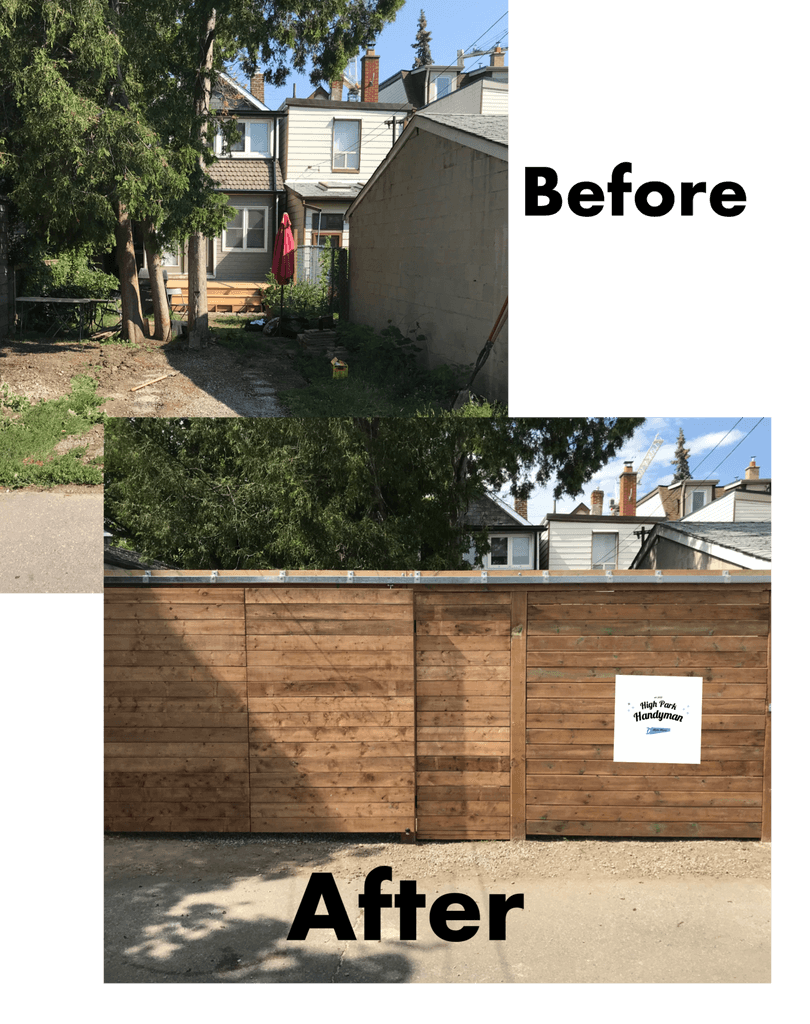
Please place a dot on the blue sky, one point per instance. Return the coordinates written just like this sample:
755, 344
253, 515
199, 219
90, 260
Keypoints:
720, 449
453, 25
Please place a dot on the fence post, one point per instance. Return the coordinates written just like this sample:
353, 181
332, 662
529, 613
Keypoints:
765, 835
517, 707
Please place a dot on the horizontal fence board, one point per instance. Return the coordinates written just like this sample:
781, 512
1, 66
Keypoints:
328, 795
671, 595
165, 734
262, 735
329, 705
564, 766
464, 644
286, 720
345, 762
348, 687
620, 812
328, 627
451, 719
461, 687
302, 662
209, 781
300, 778
161, 659
474, 779
456, 627
606, 688
173, 706
163, 610
148, 824
659, 798
646, 783
162, 642
173, 689
648, 627
486, 702
633, 829
617, 644
349, 594
574, 721
464, 763
161, 764
333, 612
543, 706
135, 795
176, 749
396, 821
173, 595
194, 628
134, 720
582, 751
307, 642
456, 748
175, 673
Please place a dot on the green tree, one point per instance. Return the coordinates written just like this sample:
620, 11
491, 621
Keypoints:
422, 44
681, 460
106, 114
333, 493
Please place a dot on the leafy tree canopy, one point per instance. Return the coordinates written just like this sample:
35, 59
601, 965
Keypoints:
333, 493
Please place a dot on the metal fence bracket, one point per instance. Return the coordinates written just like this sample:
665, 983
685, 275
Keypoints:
214, 575
147, 576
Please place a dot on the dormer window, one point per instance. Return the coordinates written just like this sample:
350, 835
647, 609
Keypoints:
253, 140
441, 85
698, 500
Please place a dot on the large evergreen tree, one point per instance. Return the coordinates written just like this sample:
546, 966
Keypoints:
681, 460
333, 493
422, 44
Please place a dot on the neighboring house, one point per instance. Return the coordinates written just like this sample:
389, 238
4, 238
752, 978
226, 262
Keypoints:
433, 82
725, 528
512, 538
749, 498
239, 259
329, 148
587, 539
311, 158
706, 545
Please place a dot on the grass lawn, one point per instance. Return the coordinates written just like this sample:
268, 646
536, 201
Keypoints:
385, 378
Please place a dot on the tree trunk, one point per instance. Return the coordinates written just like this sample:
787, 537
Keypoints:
197, 292
131, 315
160, 301
197, 279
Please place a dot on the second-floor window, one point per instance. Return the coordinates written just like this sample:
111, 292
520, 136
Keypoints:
346, 146
253, 140
505, 552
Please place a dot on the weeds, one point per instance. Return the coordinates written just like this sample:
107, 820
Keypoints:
29, 436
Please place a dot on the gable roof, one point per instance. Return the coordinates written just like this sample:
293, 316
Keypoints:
486, 133
489, 511
236, 96
746, 544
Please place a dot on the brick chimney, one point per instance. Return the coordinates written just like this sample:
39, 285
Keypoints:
370, 78
752, 470
522, 507
627, 491
496, 58
597, 499
257, 87
336, 90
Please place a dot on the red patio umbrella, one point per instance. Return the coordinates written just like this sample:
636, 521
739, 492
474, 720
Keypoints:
284, 257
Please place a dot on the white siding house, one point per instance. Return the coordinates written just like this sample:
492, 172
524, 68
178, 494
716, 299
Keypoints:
585, 542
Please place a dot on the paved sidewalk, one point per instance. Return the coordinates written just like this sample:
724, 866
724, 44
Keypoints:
51, 542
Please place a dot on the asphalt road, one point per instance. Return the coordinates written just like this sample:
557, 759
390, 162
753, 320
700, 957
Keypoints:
51, 542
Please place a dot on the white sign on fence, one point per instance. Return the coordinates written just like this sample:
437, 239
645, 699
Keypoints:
658, 719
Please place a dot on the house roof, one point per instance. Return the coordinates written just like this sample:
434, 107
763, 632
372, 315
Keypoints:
490, 511
318, 190
492, 127
234, 174
486, 133
236, 96
321, 104
123, 558
746, 544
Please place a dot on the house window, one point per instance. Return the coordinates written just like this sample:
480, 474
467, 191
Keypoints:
247, 229
698, 500
605, 550
346, 146
327, 229
253, 140
440, 86
510, 552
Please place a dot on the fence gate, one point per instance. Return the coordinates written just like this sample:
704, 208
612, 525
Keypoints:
463, 732
331, 709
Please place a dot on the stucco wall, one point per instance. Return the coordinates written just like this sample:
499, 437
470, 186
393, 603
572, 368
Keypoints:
429, 245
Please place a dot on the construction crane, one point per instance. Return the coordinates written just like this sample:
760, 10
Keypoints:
642, 469
645, 462
351, 76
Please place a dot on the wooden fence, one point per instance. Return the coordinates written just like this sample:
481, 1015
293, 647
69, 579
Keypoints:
449, 708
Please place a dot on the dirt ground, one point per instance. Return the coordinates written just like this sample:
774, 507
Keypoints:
214, 381
218, 909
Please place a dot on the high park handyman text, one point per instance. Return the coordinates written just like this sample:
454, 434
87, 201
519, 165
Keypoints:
653, 199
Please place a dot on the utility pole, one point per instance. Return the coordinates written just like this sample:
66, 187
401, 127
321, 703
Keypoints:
394, 122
